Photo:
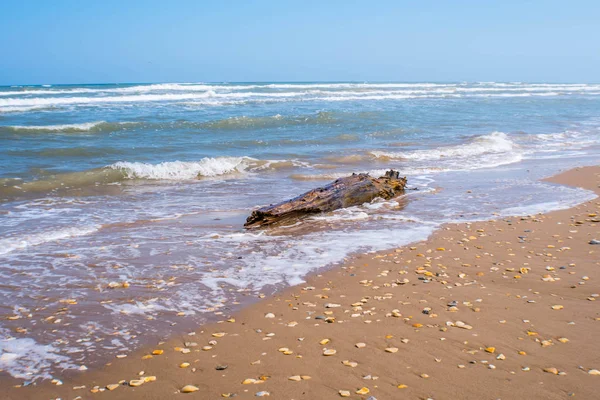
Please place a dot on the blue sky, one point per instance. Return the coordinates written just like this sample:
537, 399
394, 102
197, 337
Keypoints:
183, 40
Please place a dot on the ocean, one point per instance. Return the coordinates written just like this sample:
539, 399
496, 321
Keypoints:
122, 206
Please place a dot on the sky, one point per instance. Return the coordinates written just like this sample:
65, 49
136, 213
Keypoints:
127, 41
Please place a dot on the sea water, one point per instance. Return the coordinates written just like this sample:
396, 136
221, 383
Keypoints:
150, 184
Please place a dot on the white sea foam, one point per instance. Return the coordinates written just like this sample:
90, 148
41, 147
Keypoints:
24, 358
344, 214
183, 170
224, 94
108, 90
204, 87
58, 101
136, 308
206, 167
484, 151
83, 127
560, 141
201, 87
10, 244
495, 142
279, 262
20, 109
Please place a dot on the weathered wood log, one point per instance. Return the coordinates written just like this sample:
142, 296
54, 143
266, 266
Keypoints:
344, 192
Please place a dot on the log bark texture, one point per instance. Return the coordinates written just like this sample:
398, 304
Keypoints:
344, 192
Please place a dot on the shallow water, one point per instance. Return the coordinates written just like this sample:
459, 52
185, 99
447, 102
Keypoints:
151, 184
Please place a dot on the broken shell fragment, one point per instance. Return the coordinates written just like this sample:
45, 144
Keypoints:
363, 390
551, 370
462, 325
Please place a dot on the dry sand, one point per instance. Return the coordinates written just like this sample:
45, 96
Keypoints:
525, 291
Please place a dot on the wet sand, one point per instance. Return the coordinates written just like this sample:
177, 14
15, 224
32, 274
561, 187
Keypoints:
503, 309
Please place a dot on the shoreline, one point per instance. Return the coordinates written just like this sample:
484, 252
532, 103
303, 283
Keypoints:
404, 346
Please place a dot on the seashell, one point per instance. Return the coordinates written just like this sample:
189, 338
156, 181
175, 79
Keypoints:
329, 352
189, 389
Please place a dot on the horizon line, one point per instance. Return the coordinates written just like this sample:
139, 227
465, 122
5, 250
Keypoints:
293, 82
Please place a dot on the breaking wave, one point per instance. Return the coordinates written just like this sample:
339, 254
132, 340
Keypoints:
496, 142
203, 87
22, 109
123, 171
226, 94
183, 170
97, 126
484, 151
206, 167
84, 127
58, 101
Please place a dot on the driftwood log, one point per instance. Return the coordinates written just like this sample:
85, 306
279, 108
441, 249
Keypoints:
344, 192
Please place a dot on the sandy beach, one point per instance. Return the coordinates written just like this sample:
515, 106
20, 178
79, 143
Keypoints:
504, 309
